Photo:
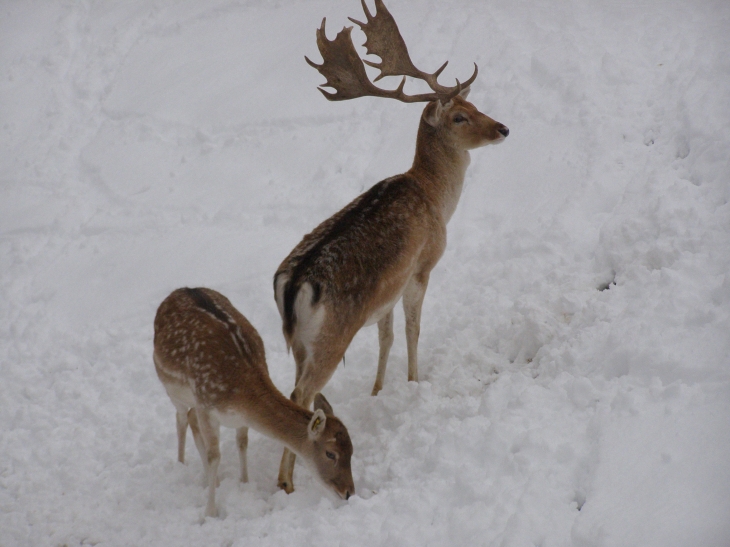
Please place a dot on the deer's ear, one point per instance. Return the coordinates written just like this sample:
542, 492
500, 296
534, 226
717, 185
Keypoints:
465, 92
316, 424
432, 113
321, 402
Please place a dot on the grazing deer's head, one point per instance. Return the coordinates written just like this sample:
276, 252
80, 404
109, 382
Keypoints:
332, 448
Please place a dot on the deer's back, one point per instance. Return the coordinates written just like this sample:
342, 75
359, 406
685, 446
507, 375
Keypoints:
204, 343
350, 255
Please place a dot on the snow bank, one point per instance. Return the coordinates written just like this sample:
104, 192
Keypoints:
575, 344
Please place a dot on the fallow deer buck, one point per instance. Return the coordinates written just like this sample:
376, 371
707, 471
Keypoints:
355, 266
212, 363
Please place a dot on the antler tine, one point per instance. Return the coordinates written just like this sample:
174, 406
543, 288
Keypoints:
453, 94
440, 70
473, 77
366, 10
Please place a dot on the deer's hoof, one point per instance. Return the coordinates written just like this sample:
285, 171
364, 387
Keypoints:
286, 486
211, 511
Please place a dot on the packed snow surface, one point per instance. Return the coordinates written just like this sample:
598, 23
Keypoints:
575, 342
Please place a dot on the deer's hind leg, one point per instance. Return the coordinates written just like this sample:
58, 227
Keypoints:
385, 339
315, 366
198, 438
181, 421
286, 467
242, 442
209, 432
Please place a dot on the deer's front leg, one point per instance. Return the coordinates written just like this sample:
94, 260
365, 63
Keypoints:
286, 471
412, 302
198, 438
385, 338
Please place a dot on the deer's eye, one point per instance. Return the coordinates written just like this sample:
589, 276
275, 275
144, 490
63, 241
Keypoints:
330, 455
459, 119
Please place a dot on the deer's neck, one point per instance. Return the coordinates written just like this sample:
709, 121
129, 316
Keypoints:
281, 419
440, 168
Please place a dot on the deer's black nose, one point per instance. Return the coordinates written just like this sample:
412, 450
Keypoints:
503, 130
347, 495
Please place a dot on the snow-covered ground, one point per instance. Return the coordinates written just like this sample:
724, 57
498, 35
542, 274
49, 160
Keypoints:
575, 343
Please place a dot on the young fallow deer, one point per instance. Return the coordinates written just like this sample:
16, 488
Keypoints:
211, 361
355, 266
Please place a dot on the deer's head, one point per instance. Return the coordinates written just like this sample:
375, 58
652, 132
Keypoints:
460, 124
448, 111
331, 449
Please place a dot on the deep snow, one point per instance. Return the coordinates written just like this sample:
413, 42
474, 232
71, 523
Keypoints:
575, 343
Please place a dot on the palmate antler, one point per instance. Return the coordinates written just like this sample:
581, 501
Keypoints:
345, 73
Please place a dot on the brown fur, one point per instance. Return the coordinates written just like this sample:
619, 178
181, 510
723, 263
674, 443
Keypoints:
383, 245
212, 363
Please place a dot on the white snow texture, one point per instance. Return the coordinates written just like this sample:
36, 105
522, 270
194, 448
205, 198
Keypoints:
575, 344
